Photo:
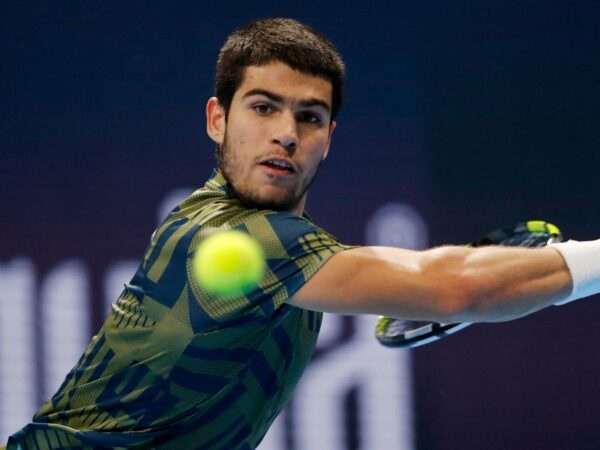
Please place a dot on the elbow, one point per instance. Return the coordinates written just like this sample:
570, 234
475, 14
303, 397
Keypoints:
470, 298
455, 288
456, 299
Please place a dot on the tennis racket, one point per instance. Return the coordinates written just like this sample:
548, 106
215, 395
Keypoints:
408, 333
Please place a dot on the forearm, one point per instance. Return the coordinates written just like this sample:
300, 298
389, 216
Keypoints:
500, 283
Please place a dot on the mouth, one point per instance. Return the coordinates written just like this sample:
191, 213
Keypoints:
280, 166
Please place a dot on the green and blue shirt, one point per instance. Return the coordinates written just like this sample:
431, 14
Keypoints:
174, 367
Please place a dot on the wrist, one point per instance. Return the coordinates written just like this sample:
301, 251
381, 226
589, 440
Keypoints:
583, 261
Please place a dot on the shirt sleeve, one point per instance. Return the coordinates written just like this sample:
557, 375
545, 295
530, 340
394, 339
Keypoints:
295, 249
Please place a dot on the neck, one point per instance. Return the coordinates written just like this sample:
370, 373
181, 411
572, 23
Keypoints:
298, 210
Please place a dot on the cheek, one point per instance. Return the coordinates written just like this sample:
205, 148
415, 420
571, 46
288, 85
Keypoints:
319, 147
246, 136
236, 142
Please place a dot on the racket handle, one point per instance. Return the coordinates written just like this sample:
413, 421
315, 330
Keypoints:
583, 261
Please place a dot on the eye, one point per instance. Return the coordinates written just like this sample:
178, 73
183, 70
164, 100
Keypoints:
309, 117
262, 108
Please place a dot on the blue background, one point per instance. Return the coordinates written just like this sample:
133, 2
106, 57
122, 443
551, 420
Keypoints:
478, 113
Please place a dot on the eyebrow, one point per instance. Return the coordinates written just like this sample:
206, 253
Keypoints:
307, 103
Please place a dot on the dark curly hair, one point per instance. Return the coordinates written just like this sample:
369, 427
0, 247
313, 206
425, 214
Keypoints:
283, 40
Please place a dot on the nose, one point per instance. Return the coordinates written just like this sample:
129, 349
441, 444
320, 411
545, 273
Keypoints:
286, 132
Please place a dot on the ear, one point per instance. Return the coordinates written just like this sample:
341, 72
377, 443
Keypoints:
332, 126
215, 120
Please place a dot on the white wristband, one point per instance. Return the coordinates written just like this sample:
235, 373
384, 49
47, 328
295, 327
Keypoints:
583, 261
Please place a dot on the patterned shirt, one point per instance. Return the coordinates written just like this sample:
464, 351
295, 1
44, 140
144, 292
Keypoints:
175, 367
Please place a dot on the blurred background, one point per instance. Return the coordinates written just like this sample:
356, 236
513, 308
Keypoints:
460, 117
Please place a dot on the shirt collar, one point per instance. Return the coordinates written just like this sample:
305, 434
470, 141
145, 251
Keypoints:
218, 181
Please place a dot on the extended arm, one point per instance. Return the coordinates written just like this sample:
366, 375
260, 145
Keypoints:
445, 284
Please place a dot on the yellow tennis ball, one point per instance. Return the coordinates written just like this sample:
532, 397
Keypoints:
228, 263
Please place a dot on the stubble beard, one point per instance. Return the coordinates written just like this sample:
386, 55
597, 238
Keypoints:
250, 195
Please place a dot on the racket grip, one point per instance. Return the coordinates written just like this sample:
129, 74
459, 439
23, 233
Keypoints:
583, 261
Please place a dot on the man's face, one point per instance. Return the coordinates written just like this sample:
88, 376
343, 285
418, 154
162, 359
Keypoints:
276, 134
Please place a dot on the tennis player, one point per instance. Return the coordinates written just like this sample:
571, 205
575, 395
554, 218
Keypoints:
174, 367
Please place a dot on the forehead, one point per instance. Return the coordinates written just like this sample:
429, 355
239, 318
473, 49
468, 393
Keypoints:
288, 83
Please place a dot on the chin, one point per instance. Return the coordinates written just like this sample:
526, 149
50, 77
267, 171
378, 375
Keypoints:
271, 203
278, 201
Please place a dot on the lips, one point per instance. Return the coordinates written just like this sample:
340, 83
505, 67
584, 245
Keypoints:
278, 163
